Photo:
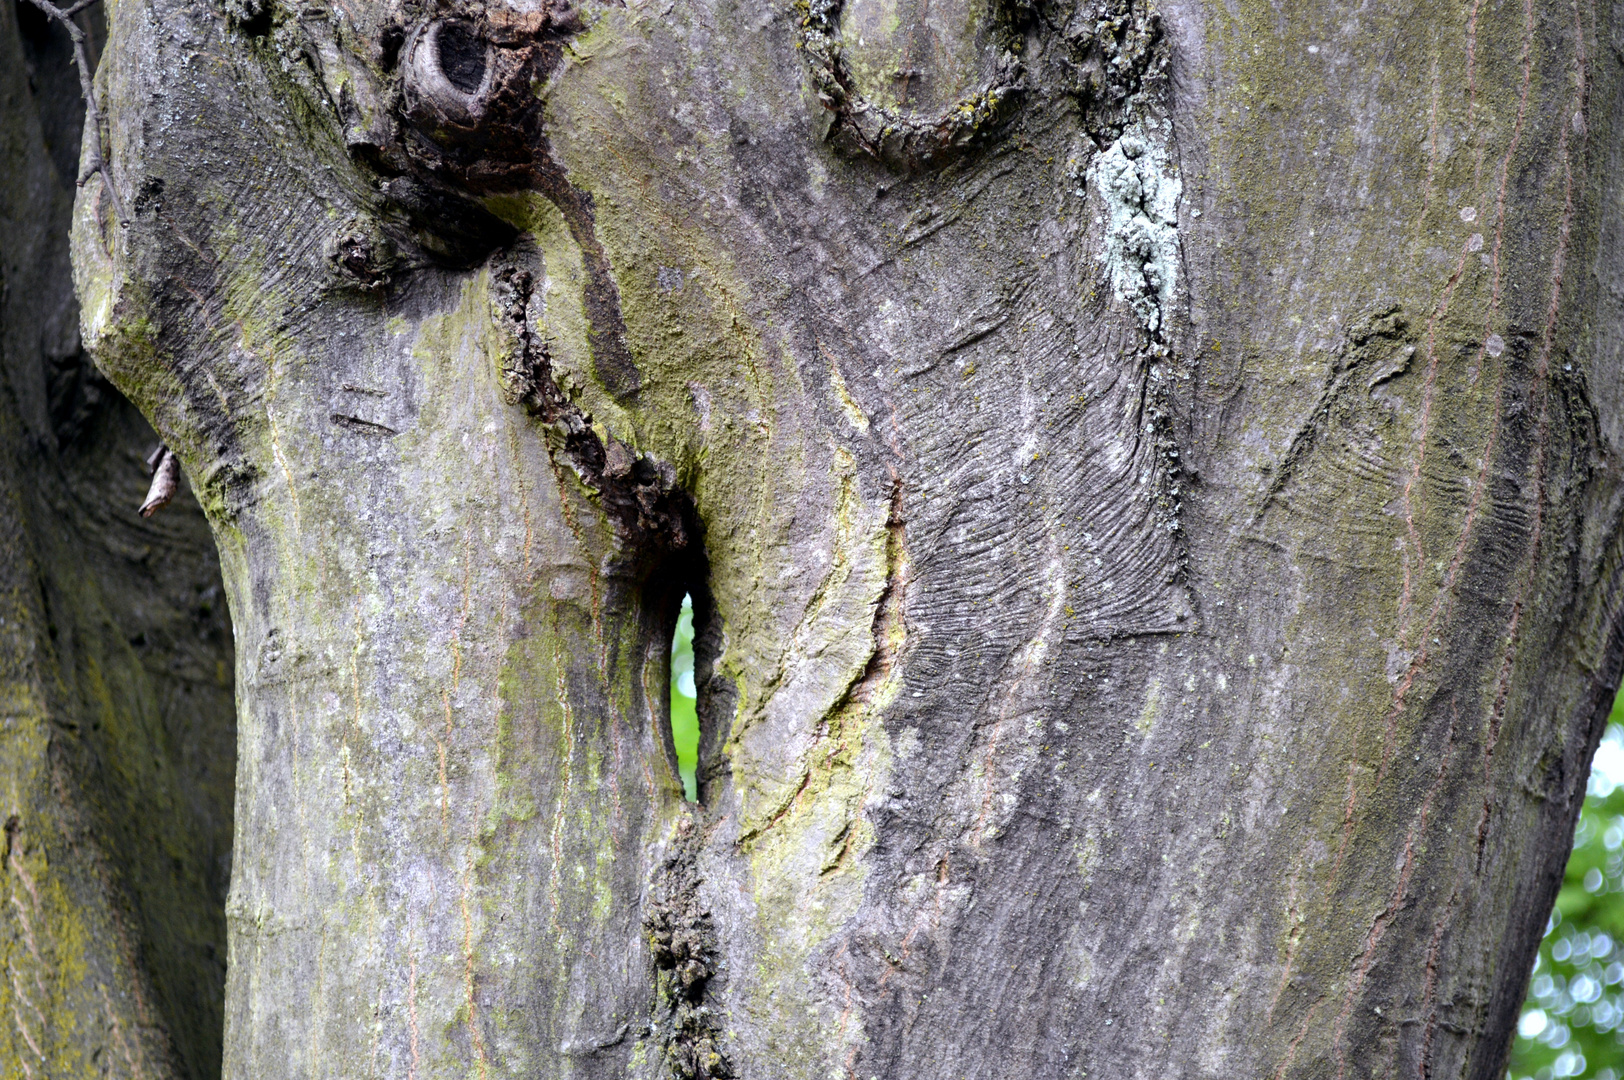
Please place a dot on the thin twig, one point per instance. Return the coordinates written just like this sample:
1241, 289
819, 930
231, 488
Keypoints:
93, 119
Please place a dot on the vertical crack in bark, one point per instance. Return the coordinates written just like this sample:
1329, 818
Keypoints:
639, 493
682, 942
1541, 387
888, 632
1297, 1040
889, 629
1119, 57
1429, 995
652, 515
471, 1019
1116, 50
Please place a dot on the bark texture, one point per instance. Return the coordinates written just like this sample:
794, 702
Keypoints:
1149, 480
116, 716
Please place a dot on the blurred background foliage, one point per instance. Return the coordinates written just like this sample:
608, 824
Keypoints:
1572, 1024
1573, 1021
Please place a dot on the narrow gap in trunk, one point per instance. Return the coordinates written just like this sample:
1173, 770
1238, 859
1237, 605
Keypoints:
684, 700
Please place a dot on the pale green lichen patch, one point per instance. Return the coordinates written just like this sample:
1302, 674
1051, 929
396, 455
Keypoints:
1138, 191
1149, 712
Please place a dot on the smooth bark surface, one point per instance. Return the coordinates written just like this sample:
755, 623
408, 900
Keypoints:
116, 719
1149, 480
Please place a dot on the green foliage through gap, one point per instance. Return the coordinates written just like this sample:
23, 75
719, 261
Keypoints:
1572, 1024
684, 717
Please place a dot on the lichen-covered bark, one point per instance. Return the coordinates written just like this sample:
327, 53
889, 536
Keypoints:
116, 717
1150, 488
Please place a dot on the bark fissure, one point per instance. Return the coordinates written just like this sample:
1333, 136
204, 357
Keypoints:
832, 747
651, 511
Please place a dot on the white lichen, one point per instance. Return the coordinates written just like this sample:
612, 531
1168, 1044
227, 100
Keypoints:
1139, 192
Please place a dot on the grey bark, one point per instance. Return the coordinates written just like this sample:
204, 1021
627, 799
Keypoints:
1149, 481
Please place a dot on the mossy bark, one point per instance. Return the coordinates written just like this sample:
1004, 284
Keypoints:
1152, 501
116, 714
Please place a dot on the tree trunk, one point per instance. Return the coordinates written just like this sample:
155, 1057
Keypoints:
116, 718
1148, 480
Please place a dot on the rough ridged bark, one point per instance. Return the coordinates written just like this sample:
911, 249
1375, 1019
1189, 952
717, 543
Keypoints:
1152, 492
116, 717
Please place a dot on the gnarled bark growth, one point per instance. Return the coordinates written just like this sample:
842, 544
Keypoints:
1155, 536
